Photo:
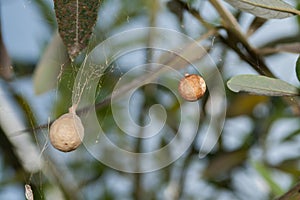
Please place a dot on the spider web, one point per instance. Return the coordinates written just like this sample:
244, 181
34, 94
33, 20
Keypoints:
65, 80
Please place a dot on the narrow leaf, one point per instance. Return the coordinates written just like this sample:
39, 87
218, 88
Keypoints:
290, 166
291, 136
255, 25
46, 12
76, 20
269, 9
49, 67
261, 85
298, 68
268, 177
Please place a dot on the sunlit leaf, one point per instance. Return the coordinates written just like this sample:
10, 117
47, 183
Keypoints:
261, 85
76, 20
48, 68
269, 9
298, 68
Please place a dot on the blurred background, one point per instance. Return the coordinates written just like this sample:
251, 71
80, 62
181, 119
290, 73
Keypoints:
256, 157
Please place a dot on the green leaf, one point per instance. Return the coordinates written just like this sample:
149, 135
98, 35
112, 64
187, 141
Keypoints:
261, 85
298, 68
76, 20
49, 67
269, 9
291, 136
266, 174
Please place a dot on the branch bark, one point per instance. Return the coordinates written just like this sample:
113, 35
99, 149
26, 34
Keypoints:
293, 194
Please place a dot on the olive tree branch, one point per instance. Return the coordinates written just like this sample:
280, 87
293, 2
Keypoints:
233, 28
175, 62
235, 39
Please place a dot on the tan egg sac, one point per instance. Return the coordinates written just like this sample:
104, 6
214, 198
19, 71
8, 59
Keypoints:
67, 132
192, 87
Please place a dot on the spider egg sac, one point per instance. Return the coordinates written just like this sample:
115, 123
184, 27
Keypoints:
192, 87
67, 132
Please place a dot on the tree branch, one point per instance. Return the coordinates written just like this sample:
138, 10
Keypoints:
293, 194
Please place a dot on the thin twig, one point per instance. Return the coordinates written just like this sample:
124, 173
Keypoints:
174, 62
293, 194
233, 28
255, 59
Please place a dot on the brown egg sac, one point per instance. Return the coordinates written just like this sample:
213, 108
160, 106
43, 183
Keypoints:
67, 132
192, 87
